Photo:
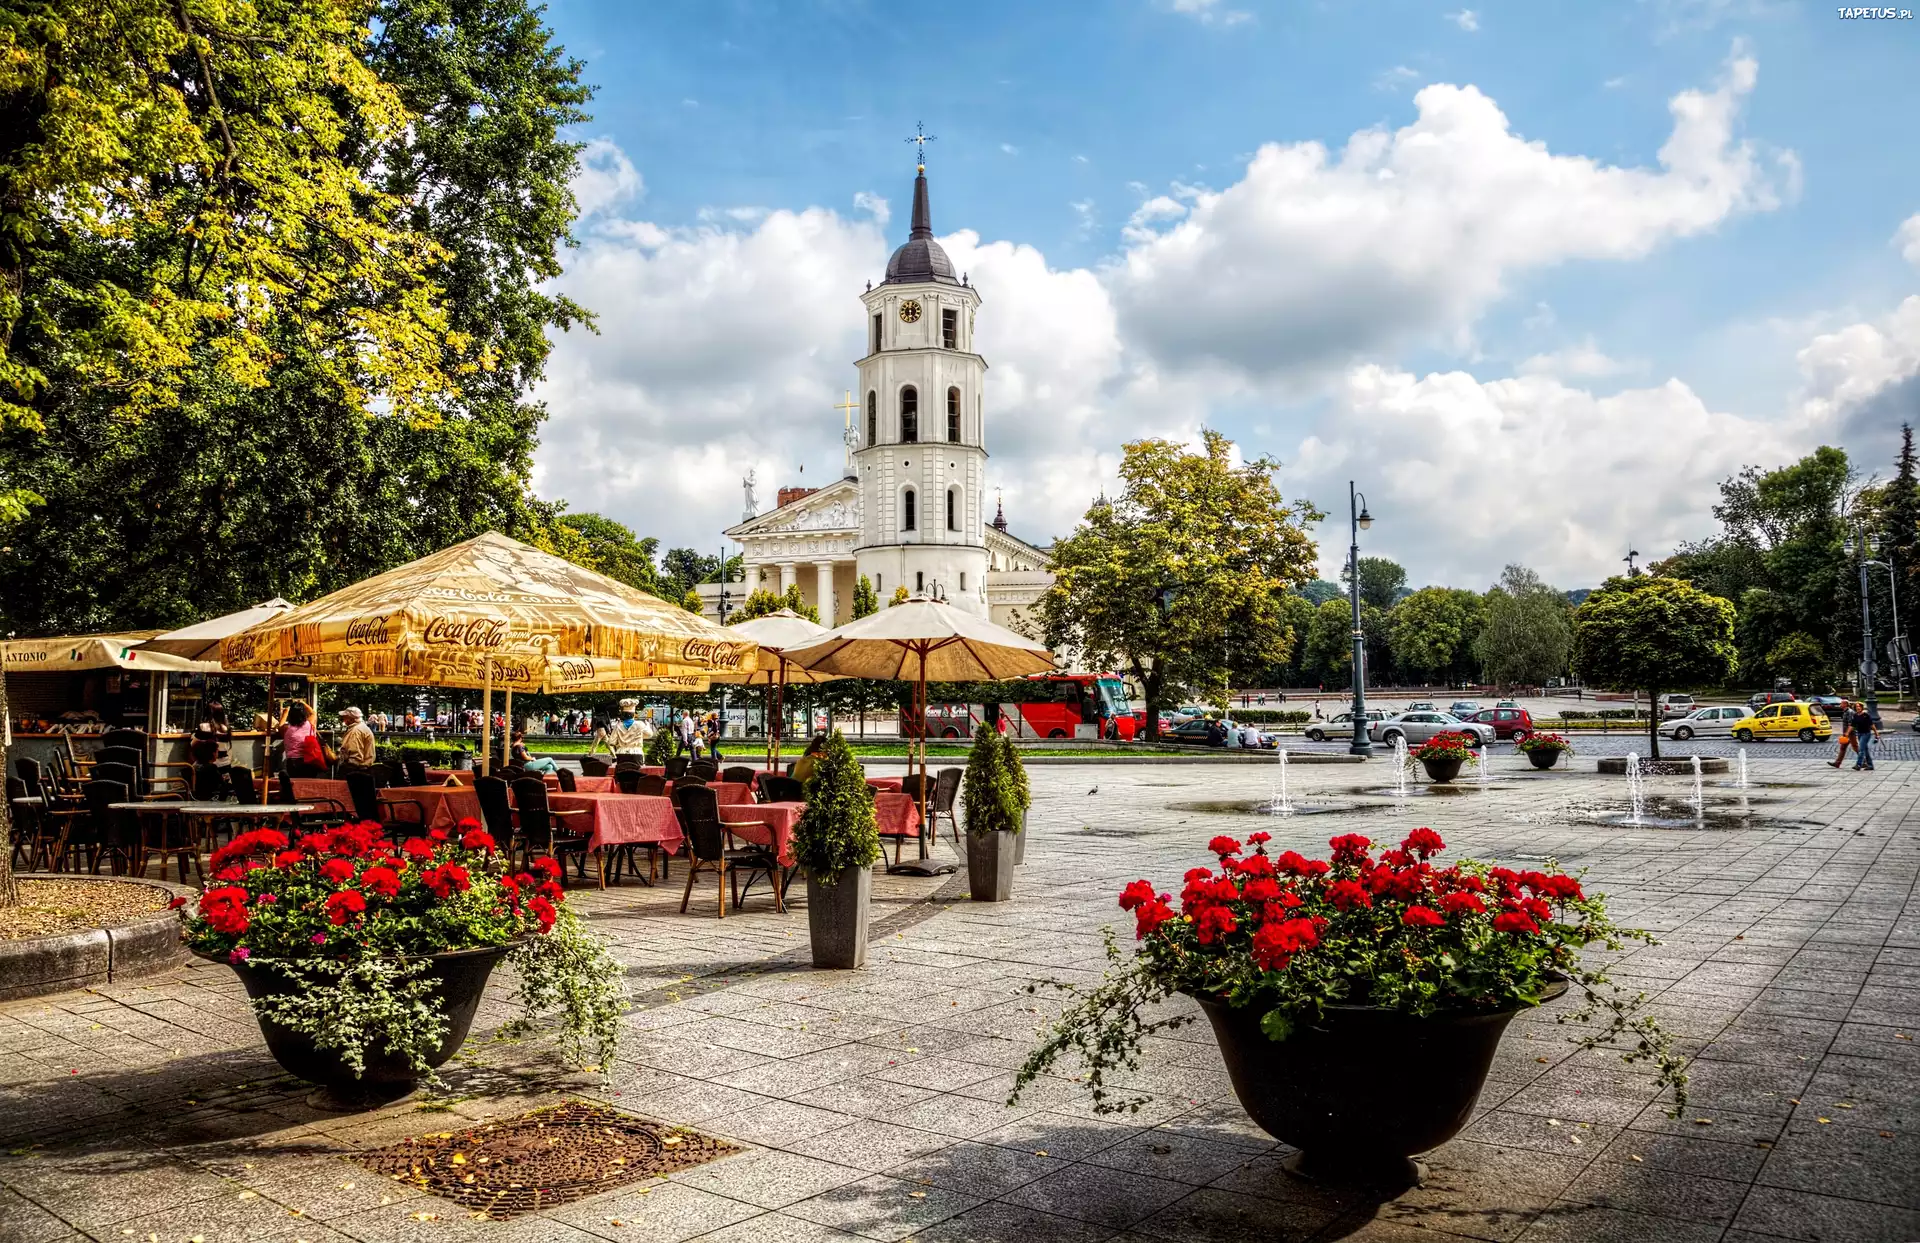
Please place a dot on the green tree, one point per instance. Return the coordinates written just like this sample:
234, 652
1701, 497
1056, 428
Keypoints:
1801, 659
1651, 633
797, 603
691, 601
1900, 529
760, 603
1188, 565
865, 601
1319, 591
900, 596
609, 547
1330, 640
1427, 629
1381, 581
1525, 636
682, 568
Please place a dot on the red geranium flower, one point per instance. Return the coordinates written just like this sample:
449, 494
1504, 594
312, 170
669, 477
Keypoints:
1224, 846
343, 906
1261, 889
1562, 888
547, 868
1424, 842
417, 848
1348, 895
1136, 893
477, 839
1213, 922
1462, 903
543, 912
1150, 916
1259, 839
225, 910
1422, 917
287, 858
380, 880
1275, 944
552, 892
338, 871
1349, 848
1514, 921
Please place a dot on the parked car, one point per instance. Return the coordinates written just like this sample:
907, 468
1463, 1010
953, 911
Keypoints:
1421, 705
1340, 726
1417, 727
1194, 732
1507, 722
1709, 722
1832, 705
1763, 698
1463, 708
1785, 720
1673, 707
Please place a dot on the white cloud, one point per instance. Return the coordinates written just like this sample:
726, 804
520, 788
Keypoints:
606, 179
874, 206
1466, 19
1907, 238
1395, 78
1614, 84
1009, 148
1583, 361
1851, 371
1209, 12
1156, 210
1315, 259
1080, 159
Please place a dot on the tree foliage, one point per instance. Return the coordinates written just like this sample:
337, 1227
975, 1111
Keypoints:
1525, 636
865, 600
1653, 633
1184, 573
609, 547
1381, 581
1427, 629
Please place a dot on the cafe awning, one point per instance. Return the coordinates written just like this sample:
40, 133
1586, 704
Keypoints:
77, 653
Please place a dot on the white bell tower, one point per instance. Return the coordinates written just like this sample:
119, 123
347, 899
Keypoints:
920, 429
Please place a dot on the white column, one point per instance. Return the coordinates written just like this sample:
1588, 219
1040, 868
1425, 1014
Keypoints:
788, 576
823, 590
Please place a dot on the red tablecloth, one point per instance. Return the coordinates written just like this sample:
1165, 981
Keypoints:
462, 775
312, 789
752, 821
885, 783
623, 819
898, 814
594, 785
445, 806
730, 793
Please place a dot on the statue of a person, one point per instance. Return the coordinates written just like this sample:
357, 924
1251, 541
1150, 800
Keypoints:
753, 503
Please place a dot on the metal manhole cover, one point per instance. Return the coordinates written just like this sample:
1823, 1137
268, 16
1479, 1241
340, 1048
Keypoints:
545, 1158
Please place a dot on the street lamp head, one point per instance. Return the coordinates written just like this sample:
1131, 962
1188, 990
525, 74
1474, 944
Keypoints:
1366, 520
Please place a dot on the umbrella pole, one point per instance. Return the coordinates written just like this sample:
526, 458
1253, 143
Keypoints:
506, 741
486, 722
920, 721
778, 727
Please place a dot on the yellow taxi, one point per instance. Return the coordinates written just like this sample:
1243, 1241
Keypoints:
1790, 720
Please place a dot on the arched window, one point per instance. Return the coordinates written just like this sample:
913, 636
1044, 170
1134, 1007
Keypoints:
873, 418
907, 515
953, 415
909, 415
953, 509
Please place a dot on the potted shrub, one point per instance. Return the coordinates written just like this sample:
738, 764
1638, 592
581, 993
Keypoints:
996, 804
1443, 755
837, 842
1022, 793
659, 748
1327, 980
365, 960
1545, 750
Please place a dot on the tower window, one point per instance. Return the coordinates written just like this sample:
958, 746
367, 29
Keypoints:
876, 336
953, 415
909, 415
873, 418
907, 514
879, 583
963, 580
952, 509
950, 329
919, 582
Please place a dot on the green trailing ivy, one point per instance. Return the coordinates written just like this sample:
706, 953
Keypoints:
838, 830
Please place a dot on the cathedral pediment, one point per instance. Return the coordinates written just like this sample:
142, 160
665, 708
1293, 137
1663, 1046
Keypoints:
833, 509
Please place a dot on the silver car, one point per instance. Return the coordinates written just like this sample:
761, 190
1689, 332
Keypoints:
1718, 722
1417, 727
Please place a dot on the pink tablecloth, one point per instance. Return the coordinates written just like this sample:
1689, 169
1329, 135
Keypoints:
752, 821
898, 814
445, 806
885, 783
623, 819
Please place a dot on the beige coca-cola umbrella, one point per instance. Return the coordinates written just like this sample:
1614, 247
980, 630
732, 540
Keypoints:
922, 640
777, 632
201, 641
492, 610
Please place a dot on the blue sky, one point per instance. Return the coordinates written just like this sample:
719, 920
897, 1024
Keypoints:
722, 124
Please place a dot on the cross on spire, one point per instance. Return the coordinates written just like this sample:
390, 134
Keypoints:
920, 140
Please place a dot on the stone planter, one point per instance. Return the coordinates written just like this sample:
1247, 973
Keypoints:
1320, 1089
990, 865
36, 966
1020, 842
459, 978
837, 916
1442, 771
1544, 758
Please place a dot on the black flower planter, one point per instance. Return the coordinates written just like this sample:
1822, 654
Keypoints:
459, 977
1322, 1091
1441, 771
1543, 758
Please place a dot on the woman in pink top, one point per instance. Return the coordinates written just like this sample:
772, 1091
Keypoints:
300, 748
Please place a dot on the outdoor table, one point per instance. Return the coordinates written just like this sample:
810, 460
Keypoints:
885, 783
444, 806
595, 785
464, 776
623, 820
322, 790
29, 800
754, 821
897, 814
729, 793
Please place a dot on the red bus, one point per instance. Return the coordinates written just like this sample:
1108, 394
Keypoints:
1046, 705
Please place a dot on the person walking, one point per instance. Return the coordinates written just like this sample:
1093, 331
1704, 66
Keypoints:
683, 731
1847, 740
1866, 731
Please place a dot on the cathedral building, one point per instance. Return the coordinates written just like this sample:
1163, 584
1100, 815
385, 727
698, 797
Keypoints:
910, 509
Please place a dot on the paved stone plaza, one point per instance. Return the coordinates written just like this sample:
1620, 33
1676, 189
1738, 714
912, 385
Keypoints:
871, 1103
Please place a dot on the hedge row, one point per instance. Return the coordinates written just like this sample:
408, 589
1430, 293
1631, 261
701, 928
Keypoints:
1271, 716
1604, 714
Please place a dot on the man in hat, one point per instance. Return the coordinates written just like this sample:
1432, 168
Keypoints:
356, 745
626, 735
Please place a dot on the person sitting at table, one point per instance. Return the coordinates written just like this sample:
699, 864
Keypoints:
356, 746
804, 766
300, 750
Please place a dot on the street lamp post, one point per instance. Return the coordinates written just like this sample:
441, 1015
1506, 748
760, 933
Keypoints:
1357, 509
1893, 593
1857, 541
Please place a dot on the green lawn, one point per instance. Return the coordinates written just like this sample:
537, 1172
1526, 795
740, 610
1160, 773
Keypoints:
744, 749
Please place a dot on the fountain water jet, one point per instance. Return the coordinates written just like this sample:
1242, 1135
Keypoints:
1742, 783
1282, 804
1699, 792
1636, 790
1399, 766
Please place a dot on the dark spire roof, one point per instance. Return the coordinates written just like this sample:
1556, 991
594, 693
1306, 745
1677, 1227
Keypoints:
920, 258
999, 514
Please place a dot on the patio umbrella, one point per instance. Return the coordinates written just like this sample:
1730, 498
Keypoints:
776, 633
76, 652
924, 640
491, 609
201, 641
